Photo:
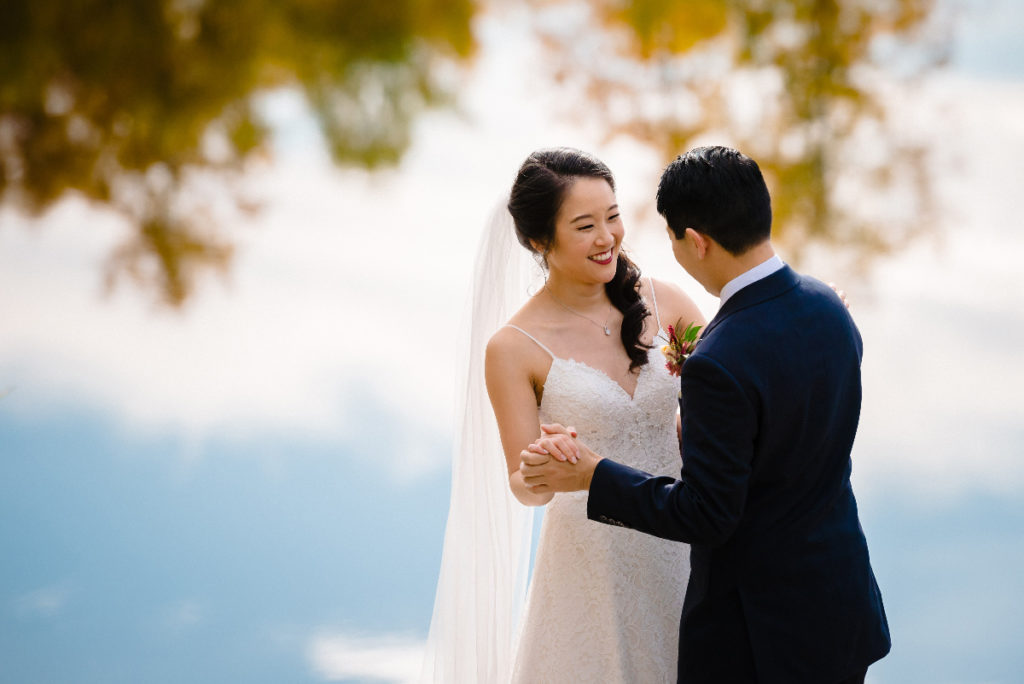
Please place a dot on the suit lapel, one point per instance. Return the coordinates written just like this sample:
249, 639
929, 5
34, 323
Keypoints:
762, 290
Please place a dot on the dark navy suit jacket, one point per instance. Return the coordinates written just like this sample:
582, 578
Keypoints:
781, 588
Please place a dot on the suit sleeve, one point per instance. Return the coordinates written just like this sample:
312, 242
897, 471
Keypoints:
705, 505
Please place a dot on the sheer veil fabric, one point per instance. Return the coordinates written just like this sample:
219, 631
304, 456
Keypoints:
485, 559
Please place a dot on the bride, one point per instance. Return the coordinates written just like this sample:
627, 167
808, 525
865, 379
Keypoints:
603, 603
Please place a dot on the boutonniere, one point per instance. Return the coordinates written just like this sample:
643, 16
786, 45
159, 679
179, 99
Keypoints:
680, 346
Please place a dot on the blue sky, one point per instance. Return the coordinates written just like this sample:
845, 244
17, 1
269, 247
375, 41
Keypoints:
124, 564
255, 490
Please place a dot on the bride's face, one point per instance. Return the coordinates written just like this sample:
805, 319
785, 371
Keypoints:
588, 233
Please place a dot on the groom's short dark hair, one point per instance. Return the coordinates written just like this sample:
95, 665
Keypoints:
719, 192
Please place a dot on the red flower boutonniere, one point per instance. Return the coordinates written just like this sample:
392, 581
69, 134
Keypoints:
680, 346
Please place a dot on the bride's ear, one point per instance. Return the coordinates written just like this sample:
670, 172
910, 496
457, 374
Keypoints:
540, 249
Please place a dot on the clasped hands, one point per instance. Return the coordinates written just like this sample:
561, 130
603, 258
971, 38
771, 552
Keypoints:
557, 461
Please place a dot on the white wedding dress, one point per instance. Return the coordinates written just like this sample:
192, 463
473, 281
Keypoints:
604, 602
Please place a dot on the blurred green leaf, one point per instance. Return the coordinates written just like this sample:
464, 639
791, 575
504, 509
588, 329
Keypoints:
795, 84
116, 101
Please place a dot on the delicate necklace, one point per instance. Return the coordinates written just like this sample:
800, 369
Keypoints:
603, 326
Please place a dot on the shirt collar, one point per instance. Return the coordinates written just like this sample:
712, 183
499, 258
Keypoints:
762, 270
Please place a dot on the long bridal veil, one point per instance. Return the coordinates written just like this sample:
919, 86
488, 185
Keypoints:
485, 560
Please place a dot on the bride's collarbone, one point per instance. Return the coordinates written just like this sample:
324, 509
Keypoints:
569, 339
590, 345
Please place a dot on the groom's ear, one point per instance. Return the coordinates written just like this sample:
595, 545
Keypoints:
700, 242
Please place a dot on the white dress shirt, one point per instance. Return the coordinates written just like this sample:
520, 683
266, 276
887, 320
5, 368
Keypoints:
762, 270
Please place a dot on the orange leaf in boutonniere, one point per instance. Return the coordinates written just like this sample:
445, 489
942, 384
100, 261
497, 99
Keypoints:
680, 346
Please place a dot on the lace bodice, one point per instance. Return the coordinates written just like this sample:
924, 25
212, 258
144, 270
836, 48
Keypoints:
604, 602
640, 429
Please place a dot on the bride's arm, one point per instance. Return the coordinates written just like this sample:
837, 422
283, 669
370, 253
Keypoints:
510, 389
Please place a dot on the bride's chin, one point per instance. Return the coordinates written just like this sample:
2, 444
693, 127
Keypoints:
607, 270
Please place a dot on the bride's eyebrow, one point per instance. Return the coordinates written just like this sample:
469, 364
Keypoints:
588, 216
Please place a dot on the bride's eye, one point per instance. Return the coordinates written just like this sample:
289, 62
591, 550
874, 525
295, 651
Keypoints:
613, 217
589, 225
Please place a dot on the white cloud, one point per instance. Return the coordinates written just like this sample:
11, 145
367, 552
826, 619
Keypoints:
944, 321
44, 602
383, 658
347, 289
348, 292
183, 615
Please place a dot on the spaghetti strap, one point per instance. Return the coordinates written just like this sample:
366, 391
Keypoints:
539, 343
654, 300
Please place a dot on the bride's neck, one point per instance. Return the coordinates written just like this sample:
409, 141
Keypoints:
576, 294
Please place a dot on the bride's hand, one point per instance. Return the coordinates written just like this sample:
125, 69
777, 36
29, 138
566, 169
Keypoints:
559, 445
841, 293
557, 429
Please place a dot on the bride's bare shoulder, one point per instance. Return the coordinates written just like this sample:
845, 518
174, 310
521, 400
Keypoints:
512, 342
512, 359
674, 304
505, 341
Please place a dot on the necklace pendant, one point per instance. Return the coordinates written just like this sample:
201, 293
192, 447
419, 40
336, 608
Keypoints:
607, 331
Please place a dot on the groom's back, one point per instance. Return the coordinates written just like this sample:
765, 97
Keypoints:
798, 551
800, 353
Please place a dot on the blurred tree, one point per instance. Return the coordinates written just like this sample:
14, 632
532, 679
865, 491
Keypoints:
127, 102
124, 101
802, 86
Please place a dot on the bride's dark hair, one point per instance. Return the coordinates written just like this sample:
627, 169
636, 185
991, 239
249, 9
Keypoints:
537, 195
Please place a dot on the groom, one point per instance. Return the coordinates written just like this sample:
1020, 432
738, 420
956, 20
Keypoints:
781, 588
